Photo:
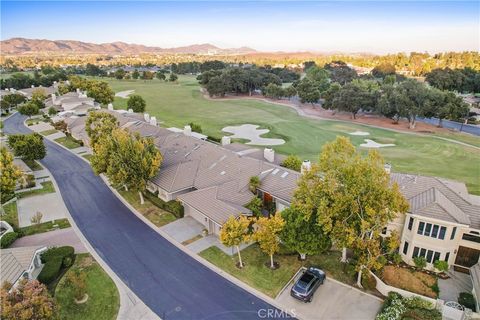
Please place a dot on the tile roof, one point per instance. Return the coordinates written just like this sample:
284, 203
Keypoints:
15, 261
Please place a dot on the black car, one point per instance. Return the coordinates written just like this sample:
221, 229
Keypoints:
308, 283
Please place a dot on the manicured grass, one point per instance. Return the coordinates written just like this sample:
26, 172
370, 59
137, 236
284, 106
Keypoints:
410, 280
68, 142
48, 132
33, 165
31, 122
45, 227
256, 274
47, 188
87, 156
11, 214
156, 215
177, 104
103, 298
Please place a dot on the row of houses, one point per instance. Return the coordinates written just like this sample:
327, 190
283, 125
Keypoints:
212, 183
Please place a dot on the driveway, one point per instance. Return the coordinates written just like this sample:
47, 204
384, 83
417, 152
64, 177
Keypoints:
50, 205
173, 284
62, 237
333, 300
183, 229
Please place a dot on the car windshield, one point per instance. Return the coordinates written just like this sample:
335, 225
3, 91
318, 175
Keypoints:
304, 282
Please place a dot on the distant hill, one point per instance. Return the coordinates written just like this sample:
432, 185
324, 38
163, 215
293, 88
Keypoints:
18, 46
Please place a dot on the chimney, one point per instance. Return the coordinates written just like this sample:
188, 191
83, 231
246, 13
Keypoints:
110, 107
306, 166
54, 98
33, 86
146, 117
78, 90
153, 121
388, 168
225, 140
55, 84
130, 110
269, 154
187, 130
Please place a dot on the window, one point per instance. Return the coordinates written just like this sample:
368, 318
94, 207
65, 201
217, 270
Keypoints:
471, 237
405, 247
435, 231
410, 223
384, 231
443, 230
429, 256
421, 226
453, 233
436, 256
415, 252
447, 256
428, 228
423, 251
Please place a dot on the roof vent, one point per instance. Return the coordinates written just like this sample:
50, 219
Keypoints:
269, 154
387, 167
284, 174
306, 166
275, 171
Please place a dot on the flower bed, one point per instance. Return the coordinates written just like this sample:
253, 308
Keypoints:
410, 280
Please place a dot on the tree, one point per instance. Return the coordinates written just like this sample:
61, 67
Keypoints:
235, 232
9, 173
38, 98
445, 105
216, 87
135, 74
308, 91
77, 280
36, 218
161, 76
28, 301
12, 100
355, 96
147, 75
340, 72
303, 234
267, 234
273, 91
128, 160
383, 69
320, 76
119, 74
136, 103
292, 162
100, 91
27, 146
28, 109
308, 64
352, 198
99, 124
254, 183
173, 77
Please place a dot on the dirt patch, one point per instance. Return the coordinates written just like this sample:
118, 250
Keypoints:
410, 280
86, 262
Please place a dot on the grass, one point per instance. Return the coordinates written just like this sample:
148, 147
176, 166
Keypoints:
45, 227
68, 142
177, 104
87, 156
103, 298
157, 216
33, 165
11, 214
191, 240
410, 280
256, 274
48, 132
47, 188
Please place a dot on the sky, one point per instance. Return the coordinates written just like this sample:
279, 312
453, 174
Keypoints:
343, 26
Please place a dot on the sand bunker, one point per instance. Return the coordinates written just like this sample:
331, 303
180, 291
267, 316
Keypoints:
252, 133
359, 133
372, 144
124, 94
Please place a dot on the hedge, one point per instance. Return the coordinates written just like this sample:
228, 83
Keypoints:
466, 299
50, 270
61, 252
172, 206
8, 239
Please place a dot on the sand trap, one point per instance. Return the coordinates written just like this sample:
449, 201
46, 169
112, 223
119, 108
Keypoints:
372, 144
359, 133
252, 133
124, 94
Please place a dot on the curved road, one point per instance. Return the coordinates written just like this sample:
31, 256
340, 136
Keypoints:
171, 283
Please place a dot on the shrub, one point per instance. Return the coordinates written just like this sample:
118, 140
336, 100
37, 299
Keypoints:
466, 299
195, 127
77, 280
417, 302
50, 270
254, 183
62, 252
67, 262
214, 139
52, 111
396, 258
368, 281
172, 206
420, 262
8, 239
136, 103
255, 205
292, 162
441, 265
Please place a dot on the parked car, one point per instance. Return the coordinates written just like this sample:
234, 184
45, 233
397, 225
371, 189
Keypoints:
304, 288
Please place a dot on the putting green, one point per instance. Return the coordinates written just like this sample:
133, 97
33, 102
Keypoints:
177, 104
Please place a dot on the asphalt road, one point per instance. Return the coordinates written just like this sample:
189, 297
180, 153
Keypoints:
171, 283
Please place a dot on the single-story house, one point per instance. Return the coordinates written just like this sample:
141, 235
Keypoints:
20, 263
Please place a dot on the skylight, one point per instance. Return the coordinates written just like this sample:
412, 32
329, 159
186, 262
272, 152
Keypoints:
275, 171
284, 174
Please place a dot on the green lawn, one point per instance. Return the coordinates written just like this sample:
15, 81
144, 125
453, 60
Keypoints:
48, 132
268, 281
33, 165
68, 142
103, 298
11, 214
156, 215
45, 227
177, 104
47, 188
87, 156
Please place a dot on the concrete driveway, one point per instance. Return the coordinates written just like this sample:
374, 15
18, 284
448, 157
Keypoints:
183, 229
62, 237
50, 205
333, 300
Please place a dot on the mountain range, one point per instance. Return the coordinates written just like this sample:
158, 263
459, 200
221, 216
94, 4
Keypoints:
18, 46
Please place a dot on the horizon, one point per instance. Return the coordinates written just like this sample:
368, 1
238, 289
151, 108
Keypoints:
316, 27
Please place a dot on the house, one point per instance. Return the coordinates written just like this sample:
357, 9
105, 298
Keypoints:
475, 277
20, 263
72, 102
28, 92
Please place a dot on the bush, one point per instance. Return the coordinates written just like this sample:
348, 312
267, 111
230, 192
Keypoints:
214, 139
67, 262
420, 262
417, 302
466, 299
8, 239
62, 252
50, 270
195, 127
292, 162
172, 206
52, 111
396, 258
368, 281
255, 205
441, 265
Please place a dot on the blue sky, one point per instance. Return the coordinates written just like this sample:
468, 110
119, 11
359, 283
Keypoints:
379, 27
